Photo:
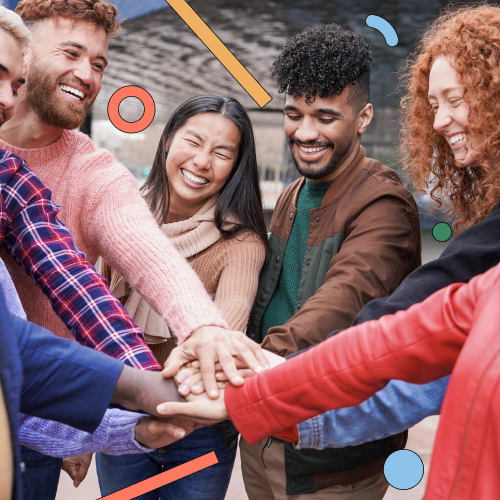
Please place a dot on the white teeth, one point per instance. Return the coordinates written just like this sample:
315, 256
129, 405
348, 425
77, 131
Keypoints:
311, 150
71, 90
193, 178
458, 138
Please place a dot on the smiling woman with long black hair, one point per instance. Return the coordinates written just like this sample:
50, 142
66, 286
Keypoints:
204, 191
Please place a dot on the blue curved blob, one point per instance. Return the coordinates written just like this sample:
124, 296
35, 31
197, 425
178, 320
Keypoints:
380, 24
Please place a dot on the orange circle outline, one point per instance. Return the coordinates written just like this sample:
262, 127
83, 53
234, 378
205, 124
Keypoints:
149, 109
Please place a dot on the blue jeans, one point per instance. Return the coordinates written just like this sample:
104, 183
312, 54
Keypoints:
41, 475
118, 472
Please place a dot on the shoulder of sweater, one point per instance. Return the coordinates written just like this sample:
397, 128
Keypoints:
246, 236
246, 242
97, 159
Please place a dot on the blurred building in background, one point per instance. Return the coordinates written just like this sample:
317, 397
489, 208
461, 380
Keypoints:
158, 51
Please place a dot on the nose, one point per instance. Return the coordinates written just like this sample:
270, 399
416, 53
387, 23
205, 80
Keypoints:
202, 160
6, 96
442, 119
84, 71
306, 131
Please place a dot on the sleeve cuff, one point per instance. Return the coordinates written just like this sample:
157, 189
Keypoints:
121, 437
291, 434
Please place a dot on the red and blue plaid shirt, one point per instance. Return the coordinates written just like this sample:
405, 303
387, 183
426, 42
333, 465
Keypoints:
44, 247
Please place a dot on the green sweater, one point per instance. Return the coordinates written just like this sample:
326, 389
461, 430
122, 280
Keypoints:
282, 305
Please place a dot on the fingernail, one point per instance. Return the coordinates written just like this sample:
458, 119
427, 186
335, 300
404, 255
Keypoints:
180, 433
259, 369
238, 380
197, 387
268, 366
184, 389
160, 408
76, 484
181, 378
213, 392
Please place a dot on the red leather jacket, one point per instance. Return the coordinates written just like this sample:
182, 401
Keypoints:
456, 330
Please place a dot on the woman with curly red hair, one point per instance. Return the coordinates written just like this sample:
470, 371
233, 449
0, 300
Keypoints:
463, 47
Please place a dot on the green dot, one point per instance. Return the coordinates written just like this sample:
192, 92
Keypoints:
145, 171
441, 231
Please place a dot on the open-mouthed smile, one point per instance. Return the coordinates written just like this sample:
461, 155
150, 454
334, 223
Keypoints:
458, 140
311, 153
75, 94
199, 181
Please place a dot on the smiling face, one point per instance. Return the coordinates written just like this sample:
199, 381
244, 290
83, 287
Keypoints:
451, 113
65, 70
324, 136
200, 157
11, 74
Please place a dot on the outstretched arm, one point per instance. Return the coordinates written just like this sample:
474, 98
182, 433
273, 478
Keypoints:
395, 408
119, 433
350, 367
44, 247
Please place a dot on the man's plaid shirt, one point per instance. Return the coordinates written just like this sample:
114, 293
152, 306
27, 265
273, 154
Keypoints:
43, 246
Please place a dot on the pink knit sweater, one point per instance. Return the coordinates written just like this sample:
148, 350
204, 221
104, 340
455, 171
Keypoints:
103, 209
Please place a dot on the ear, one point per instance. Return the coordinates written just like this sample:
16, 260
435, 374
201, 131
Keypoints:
27, 54
365, 116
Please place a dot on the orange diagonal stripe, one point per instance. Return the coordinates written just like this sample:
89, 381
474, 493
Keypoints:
221, 52
164, 478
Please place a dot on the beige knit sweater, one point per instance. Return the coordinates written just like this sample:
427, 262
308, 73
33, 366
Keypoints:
107, 216
229, 270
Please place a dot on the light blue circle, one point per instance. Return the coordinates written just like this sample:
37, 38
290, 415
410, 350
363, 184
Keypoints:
403, 469
386, 28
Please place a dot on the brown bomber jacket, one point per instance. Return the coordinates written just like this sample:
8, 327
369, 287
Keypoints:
363, 241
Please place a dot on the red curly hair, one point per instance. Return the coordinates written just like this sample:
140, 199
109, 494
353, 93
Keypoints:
98, 12
469, 37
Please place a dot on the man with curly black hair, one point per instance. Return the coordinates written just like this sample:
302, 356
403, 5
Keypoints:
343, 234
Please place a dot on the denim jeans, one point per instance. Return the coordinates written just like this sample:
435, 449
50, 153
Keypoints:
118, 472
41, 475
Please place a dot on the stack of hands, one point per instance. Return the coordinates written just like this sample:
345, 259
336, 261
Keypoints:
202, 367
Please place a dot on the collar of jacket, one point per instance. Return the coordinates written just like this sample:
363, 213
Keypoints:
340, 183
282, 223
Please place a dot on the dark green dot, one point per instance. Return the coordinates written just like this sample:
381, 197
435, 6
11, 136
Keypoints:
441, 231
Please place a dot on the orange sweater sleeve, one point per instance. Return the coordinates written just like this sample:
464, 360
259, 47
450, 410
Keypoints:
238, 282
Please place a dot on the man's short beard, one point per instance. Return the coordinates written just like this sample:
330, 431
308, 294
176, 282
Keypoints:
41, 94
339, 153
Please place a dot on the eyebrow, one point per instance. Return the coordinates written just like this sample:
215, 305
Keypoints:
84, 49
195, 134
6, 70
447, 90
321, 111
329, 111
